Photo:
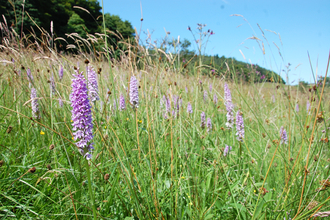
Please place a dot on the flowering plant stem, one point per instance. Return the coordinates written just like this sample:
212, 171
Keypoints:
91, 195
239, 158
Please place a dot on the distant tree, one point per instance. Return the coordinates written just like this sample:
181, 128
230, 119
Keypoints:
327, 81
118, 31
77, 25
114, 24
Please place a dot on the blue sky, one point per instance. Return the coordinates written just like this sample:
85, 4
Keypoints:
294, 26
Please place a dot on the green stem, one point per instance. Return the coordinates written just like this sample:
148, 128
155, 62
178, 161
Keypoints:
91, 195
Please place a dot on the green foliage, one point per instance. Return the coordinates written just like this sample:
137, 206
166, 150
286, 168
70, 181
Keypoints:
68, 16
118, 32
77, 25
327, 82
114, 24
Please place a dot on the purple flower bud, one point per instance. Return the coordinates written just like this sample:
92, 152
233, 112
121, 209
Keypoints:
239, 126
93, 89
205, 96
167, 104
229, 107
284, 136
209, 125
122, 105
215, 98
52, 85
297, 107
60, 72
133, 92
227, 150
203, 120
81, 115
189, 108
60, 102
30, 77
186, 89
210, 87
35, 104
273, 98
308, 106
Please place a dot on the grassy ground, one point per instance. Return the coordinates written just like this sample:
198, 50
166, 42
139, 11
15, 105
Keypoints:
147, 166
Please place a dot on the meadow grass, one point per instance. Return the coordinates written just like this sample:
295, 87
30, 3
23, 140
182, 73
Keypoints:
149, 163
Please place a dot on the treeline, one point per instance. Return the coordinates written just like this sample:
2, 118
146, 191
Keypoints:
188, 61
68, 16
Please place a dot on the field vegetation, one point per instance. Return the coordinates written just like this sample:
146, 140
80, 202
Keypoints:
105, 132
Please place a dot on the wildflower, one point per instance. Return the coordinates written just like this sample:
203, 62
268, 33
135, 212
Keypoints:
189, 108
189, 29
239, 126
176, 102
60, 102
227, 150
186, 89
203, 120
205, 96
209, 124
215, 98
210, 87
229, 107
52, 85
297, 107
167, 104
308, 106
176, 105
35, 104
122, 105
133, 92
81, 115
273, 98
284, 137
30, 77
262, 77
60, 72
165, 101
42, 133
93, 89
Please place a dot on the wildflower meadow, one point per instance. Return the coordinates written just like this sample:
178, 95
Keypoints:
140, 135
